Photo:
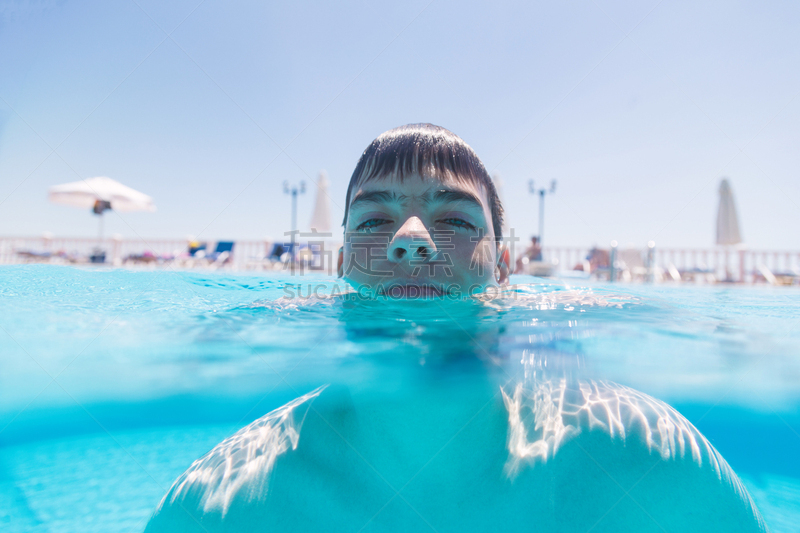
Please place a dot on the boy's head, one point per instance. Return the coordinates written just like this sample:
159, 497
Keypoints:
422, 218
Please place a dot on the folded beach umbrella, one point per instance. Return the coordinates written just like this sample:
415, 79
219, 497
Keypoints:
321, 218
727, 221
89, 192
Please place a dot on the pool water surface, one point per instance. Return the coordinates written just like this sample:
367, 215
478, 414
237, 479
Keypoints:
114, 382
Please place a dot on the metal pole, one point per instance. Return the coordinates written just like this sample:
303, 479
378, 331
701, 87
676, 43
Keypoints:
294, 228
293, 191
294, 211
541, 218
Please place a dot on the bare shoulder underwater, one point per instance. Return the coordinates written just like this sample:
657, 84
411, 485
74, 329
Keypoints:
451, 451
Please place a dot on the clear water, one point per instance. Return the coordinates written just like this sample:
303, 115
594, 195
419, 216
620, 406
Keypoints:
113, 382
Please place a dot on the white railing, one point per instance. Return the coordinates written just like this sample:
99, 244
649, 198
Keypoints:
685, 263
151, 253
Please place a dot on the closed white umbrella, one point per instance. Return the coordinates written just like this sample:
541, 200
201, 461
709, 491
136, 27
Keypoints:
728, 226
321, 217
727, 221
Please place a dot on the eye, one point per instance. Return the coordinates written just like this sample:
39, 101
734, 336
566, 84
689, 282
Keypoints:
372, 223
457, 223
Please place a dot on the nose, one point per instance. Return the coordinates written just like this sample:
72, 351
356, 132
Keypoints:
412, 241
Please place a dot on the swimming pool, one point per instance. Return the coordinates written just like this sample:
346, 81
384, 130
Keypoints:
113, 382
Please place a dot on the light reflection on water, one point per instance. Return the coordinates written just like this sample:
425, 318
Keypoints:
158, 350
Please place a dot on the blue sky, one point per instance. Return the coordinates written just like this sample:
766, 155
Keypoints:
636, 108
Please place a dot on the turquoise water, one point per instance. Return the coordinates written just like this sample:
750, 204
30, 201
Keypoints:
112, 383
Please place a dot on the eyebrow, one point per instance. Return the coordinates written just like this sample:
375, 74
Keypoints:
375, 197
450, 195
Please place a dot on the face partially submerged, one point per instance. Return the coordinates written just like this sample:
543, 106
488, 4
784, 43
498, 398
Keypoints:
421, 238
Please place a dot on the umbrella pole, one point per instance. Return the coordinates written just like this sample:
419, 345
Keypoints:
100, 230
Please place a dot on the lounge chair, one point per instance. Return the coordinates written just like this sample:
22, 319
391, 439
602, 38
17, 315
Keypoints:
699, 274
98, 255
763, 273
222, 253
196, 248
32, 256
282, 252
146, 257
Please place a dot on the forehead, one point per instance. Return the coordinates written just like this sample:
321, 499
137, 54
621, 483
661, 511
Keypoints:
416, 185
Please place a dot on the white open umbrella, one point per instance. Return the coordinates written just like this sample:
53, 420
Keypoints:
727, 221
100, 194
321, 218
86, 192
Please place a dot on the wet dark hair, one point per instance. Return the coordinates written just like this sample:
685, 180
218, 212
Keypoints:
430, 151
